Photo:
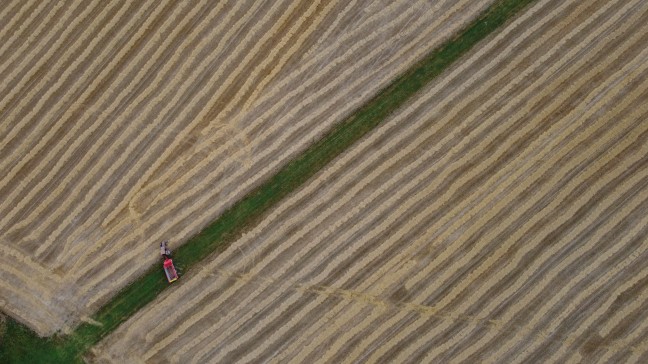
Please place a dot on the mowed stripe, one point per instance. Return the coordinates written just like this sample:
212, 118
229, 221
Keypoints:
32, 24
23, 63
404, 148
9, 17
449, 297
176, 188
583, 139
197, 69
100, 115
73, 134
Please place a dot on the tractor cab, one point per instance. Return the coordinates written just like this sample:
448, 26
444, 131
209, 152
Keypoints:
169, 270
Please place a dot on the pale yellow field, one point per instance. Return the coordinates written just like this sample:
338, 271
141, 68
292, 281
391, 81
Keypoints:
124, 123
502, 216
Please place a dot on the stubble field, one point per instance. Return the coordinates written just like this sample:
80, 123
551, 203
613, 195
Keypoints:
128, 122
501, 216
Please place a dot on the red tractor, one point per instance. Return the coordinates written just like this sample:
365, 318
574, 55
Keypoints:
169, 269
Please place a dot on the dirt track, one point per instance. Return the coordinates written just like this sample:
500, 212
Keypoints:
500, 217
129, 122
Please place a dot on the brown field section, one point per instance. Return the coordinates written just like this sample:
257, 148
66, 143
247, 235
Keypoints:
502, 216
124, 123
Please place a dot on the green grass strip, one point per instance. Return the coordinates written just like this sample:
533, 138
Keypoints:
20, 345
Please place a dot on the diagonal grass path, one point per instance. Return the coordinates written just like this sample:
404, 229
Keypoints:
18, 344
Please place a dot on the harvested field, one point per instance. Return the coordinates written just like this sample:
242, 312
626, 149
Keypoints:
128, 122
502, 216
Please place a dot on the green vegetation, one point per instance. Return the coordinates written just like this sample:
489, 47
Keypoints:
19, 345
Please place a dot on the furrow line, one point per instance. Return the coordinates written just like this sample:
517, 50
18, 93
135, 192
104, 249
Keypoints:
286, 36
462, 153
632, 309
327, 33
252, 37
116, 124
564, 263
605, 306
632, 340
514, 287
7, 29
476, 227
126, 91
294, 149
341, 323
81, 128
26, 261
119, 226
544, 114
331, 353
390, 325
345, 160
292, 299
